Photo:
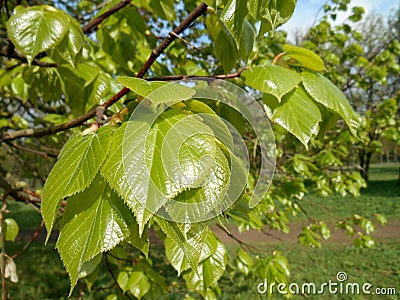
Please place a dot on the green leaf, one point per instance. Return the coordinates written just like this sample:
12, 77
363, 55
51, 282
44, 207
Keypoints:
326, 93
272, 13
79, 161
208, 272
274, 80
274, 269
97, 229
380, 218
89, 266
164, 9
225, 50
304, 58
80, 202
297, 113
205, 247
135, 282
187, 240
247, 40
70, 46
176, 256
173, 155
12, 229
245, 257
37, 29
233, 17
157, 91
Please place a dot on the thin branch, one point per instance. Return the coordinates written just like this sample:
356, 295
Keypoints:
184, 77
197, 12
39, 132
95, 22
29, 150
23, 59
266, 233
186, 42
33, 237
242, 243
18, 194
113, 276
323, 208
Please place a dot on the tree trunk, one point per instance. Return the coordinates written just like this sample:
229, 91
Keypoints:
365, 161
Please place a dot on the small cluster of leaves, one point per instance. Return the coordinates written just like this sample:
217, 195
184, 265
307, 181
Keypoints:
105, 207
299, 102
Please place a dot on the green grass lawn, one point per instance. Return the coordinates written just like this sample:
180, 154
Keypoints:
381, 196
379, 266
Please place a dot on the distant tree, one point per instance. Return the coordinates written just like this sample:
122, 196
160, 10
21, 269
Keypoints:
362, 59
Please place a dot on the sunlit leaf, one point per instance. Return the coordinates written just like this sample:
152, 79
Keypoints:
37, 29
304, 58
78, 164
157, 91
269, 79
208, 272
325, 92
97, 229
297, 113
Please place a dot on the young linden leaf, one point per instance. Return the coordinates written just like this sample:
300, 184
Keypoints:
79, 162
297, 113
272, 13
247, 40
157, 91
133, 281
233, 16
204, 244
208, 272
12, 229
304, 58
70, 46
151, 165
80, 202
325, 92
99, 228
274, 80
37, 29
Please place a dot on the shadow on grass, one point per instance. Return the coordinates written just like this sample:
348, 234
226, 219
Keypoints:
387, 188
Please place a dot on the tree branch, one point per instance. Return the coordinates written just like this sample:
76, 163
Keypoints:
95, 22
183, 77
29, 150
38, 132
197, 12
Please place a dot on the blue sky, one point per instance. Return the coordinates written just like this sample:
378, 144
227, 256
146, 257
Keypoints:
306, 11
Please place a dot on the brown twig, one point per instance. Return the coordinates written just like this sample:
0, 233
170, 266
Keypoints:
18, 194
29, 150
38, 132
183, 77
186, 42
242, 243
323, 208
197, 12
33, 237
95, 22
